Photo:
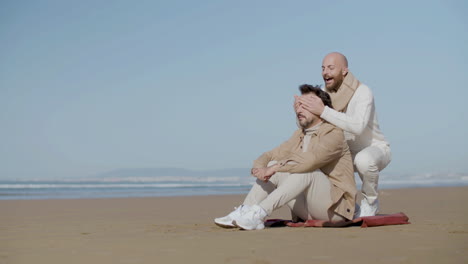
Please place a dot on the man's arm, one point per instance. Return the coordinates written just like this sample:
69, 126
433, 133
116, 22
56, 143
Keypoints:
260, 168
354, 123
329, 148
358, 120
274, 154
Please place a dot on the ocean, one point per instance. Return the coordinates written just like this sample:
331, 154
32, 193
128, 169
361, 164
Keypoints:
59, 189
180, 186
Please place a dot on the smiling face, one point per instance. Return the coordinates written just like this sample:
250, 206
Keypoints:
334, 69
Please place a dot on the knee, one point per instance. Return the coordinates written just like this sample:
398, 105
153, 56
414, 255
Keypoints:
308, 177
365, 163
297, 179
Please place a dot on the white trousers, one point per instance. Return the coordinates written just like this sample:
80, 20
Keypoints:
306, 194
368, 163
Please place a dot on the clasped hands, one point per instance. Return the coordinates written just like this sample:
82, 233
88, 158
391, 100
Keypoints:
264, 174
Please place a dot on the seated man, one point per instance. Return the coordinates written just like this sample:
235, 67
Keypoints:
312, 173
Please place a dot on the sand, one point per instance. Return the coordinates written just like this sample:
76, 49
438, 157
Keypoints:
181, 230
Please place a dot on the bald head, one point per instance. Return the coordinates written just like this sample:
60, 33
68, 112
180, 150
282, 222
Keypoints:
337, 58
334, 70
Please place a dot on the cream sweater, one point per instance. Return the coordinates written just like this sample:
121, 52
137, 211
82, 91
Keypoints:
359, 121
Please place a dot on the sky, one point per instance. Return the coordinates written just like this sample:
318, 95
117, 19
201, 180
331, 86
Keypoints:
87, 87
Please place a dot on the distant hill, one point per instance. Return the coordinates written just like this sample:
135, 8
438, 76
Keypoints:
172, 172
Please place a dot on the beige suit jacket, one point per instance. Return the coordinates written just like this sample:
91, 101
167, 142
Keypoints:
326, 151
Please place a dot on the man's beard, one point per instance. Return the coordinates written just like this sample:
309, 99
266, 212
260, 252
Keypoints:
333, 88
336, 84
305, 123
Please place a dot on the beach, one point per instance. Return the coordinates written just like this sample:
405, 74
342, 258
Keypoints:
181, 230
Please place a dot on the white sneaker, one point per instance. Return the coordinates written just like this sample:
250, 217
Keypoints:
227, 220
369, 209
253, 219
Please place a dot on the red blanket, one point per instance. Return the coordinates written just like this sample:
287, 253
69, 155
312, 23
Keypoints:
367, 221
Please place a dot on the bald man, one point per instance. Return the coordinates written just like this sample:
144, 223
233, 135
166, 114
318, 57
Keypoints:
354, 112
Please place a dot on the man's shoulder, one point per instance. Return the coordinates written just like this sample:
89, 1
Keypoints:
331, 135
327, 128
363, 89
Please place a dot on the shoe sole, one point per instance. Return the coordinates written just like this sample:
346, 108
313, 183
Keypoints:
243, 228
237, 225
225, 226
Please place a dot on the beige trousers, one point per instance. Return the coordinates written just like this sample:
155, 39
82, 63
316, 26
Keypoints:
306, 194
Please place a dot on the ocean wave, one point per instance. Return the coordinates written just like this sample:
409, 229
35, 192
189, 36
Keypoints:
115, 185
197, 182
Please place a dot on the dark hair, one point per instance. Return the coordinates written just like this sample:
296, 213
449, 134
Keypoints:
307, 88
